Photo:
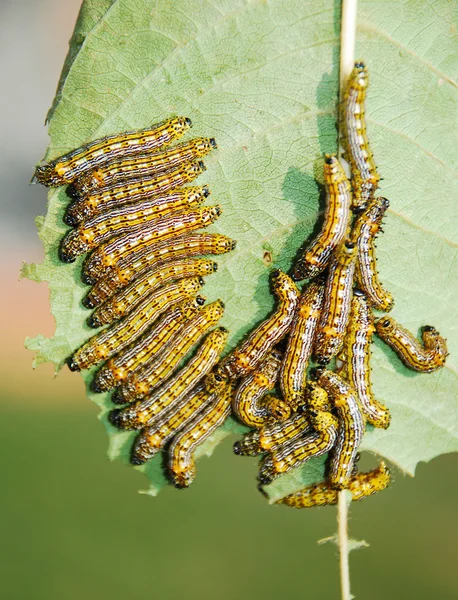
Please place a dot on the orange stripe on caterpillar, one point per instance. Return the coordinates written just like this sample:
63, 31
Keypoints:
68, 167
316, 256
429, 357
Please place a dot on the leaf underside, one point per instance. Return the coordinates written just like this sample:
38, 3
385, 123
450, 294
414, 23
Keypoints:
262, 78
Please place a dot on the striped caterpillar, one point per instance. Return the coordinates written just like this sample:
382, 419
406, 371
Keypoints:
68, 167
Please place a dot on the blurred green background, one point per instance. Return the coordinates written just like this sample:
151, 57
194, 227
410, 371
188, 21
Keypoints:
73, 525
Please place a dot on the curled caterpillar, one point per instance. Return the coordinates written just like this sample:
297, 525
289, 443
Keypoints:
425, 359
252, 404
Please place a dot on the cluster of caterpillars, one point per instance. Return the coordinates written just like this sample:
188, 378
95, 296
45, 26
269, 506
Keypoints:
330, 320
133, 212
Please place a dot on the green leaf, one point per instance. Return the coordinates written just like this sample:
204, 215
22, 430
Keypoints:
262, 77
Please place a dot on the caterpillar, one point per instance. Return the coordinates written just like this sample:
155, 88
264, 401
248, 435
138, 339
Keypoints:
116, 370
293, 373
129, 192
317, 398
216, 381
300, 449
365, 177
272, 435
351, 427
260, 342
140, 383
276, 434
366, 228
68, 167
154, 437
181, 462
126, 218
317, 254
251, 404
425, 359
361, 486
108, 342
114, 303
147, 166
141, 413
336, 308
357, 349
123, 267
121, 246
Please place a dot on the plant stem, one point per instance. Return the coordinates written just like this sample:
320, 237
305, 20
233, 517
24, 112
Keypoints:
347, 41
347, 53
342, 522
347, 60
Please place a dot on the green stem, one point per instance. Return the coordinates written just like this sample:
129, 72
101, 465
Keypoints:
347, 60
342, 521
347, 53
347, 40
